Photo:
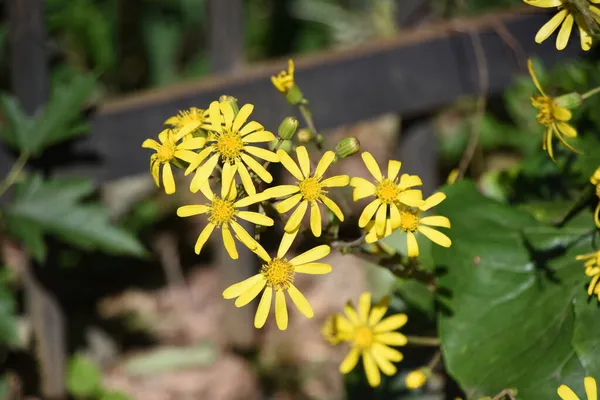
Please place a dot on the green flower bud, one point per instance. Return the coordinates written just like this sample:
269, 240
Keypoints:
288, 128
347, 147
305, 135
294, 96
569, 100
231, 100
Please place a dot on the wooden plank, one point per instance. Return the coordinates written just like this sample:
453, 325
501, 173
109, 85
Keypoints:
226, 34
418, 70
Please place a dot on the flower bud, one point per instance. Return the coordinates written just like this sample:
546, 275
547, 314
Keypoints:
417, 378
569, 100
347, 147
232, 101
595, 179
294, 96
305, 135
288, 128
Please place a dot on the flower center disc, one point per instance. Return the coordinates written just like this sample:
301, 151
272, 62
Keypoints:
363, 338
545, 105
409, 221
310, 189
229, 145
222, 211
166, 152
279, 273
387, 191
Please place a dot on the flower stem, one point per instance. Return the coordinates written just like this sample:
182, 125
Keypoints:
435, 360
14, 173
590, 93
307, 115
423, 341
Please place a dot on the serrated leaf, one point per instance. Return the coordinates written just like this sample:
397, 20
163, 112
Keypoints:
83, 377
509, 319
55, 207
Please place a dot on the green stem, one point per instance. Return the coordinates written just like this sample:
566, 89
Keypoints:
590, 93
14, 173
423, 341
435, 360
307, 115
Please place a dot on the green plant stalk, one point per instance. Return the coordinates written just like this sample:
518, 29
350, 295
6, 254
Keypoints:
590, 93
14, 173
423, 341
307, 115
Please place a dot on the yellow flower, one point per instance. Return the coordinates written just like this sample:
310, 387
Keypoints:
309, 189
415, 379
591, 390
568, 14
592, 269
192, 115
388, 192
370, 337
168, 150
230, 144
222, 214
331, 331
278, 275
284, 81
411, 223
595, 180
552, 117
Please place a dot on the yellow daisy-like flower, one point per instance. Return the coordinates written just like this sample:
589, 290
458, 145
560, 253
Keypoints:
310, 189
278, 275
415, 379
591, 390
411, 223
230, 143
168, 150
223, 213
192, 115
552, 116
568, 14
370, 337
595, 180
592, 269
388, 192
284, 81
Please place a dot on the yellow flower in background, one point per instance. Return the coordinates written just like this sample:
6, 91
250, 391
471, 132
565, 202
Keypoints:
310, 189
591, 390
568, 14
278, 275
168, 150
284, 81
595, 180
592, 269
388, 192
552, 116
223, 213
370, 337
231, 143
415, 379
331, 329
193, 115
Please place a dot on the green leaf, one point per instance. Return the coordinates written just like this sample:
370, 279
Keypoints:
509, 319
83, 377
171, 358
8, 321
15, 133
55, 207
585, 336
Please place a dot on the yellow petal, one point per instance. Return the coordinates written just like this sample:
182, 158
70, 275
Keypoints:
264, 154
286, 243
371, 165
391, 323
258, 137
393, 169
303, 160
373, 375
544, 3
287, 204
559, 135
257, 168
167, 178
227, 111
333, 207
262, 312
237, 289
395, 220
368, 213
350, 361
547, 144
215, 116
566, 393
378, 311
312, 268
435, 236
200, 157
289, 164
383, 363
585, 39
207, 192
229, 242
255, 218
281, 314
566, 129
324, 163
561, 113
155, 171
242, 116
282, 190
252, 199
315, 219
411, 197
250, 294
380, 219
229, 171
433, 201
408, 181
186, 130
296, 218
391, 338
549, 27
336, 181
311, 255
387, 352
188, 211
186, 155
164, 135
151, 144
203, 237
351, 314
365, 189
364, 306
534, 76
565, 31
249, 241
203, 173
590, 388
246, 179
250, 127
436, 220
300, 301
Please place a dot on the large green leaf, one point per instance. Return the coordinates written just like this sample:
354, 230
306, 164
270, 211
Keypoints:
55, 207
509, 314
586, 339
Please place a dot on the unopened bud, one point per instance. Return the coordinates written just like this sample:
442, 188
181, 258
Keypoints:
347, 147
305, 135
417, 378
232, 101
595, 179
288, 128
569, 100
294, 95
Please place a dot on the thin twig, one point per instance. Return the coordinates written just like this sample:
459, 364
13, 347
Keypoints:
337, 244
505, 392
423, 341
